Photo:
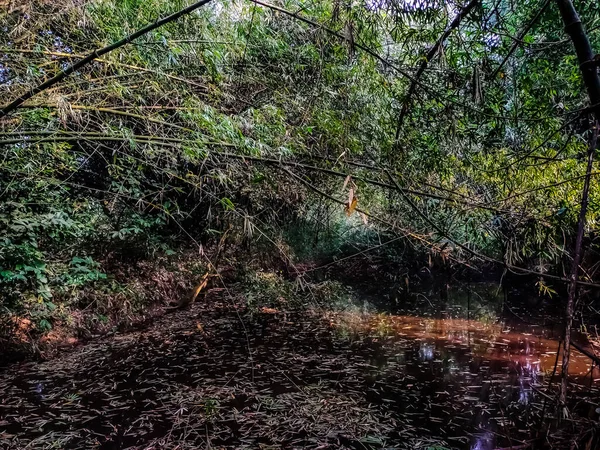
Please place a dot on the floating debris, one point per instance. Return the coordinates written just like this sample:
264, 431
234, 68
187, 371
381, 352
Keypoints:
320, 380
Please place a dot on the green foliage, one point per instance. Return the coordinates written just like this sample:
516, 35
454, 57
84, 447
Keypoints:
161, 141
271, 290
268, 289
82, 271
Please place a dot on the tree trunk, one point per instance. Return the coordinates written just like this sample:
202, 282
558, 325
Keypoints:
589, 71
577, 255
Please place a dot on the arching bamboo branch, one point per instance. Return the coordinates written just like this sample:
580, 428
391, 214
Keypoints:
514, 269
104, 61
96, 54
381, 59
168, 141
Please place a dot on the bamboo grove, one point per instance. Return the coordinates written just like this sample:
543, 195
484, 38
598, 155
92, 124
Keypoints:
463, 130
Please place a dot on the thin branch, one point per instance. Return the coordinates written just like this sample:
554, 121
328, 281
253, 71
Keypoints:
366, 213
541, 188
441, 232
381, 59
577, 257
589, 70
564, 126
428, 57
174, 142
93, 137
111, 111
586, 352
519, 39
514, 269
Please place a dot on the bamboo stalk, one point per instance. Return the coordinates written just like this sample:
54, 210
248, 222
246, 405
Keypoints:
589, 70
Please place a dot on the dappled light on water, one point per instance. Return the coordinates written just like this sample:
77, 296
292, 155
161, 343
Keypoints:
483, 375
528, 353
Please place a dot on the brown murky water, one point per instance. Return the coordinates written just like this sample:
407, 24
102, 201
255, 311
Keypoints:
532, 348
453, 374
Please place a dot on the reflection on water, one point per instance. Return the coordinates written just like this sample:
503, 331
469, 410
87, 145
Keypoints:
473, 363
457, 371
426, 351
483, 441
529, 353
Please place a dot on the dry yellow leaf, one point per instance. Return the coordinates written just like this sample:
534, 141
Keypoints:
351, 206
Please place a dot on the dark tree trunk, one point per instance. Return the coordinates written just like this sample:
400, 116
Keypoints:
577, 255
589, 70
585, 54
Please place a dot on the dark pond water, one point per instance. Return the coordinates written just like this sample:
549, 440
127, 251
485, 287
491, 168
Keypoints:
456, 370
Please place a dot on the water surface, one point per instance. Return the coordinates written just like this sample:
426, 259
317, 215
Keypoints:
457, 370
